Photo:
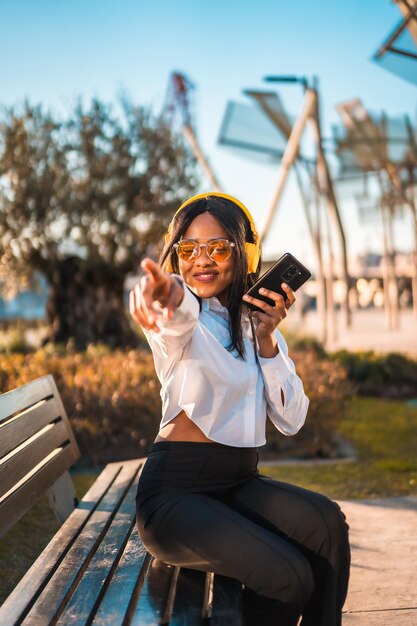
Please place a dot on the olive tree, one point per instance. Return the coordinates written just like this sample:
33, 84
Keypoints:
82, 200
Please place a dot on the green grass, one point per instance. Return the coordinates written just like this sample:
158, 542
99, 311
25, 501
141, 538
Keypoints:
384, 434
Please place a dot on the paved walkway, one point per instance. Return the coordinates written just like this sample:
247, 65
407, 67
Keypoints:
368, 331
383, 585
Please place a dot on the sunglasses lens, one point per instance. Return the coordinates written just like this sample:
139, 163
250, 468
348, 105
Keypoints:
186, 250
219, 250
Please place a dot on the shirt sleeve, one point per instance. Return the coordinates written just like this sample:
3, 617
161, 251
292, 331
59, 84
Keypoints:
279, 374
167, 345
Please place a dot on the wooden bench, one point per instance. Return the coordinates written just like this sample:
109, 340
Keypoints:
95, 570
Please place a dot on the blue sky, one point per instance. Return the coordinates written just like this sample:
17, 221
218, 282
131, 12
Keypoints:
53, 52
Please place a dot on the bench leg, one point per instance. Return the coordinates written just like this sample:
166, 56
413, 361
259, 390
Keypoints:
62, 497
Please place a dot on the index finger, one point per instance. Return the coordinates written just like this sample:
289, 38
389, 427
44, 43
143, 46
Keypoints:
152, 269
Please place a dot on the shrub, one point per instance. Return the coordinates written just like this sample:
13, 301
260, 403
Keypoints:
113, 402
14, 339
329, 390
112, 398
305, 342
391, 375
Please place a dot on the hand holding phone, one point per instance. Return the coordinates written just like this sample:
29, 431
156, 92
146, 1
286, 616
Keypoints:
286, 270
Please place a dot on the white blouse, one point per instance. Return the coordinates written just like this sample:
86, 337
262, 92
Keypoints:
227, 397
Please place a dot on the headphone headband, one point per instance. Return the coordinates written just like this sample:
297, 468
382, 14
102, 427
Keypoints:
218, 194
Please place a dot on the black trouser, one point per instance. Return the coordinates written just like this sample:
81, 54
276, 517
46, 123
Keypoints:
205, 506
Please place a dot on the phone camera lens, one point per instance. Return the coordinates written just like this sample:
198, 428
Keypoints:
290, 273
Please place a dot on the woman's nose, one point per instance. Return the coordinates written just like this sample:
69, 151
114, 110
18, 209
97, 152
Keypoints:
202, 255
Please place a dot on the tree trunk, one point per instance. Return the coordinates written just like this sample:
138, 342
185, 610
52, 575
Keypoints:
86, 305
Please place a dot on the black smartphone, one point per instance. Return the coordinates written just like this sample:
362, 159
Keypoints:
286, 270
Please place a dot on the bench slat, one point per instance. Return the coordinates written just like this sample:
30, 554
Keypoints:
16, 467
26, 396
19, 429
22, 499
94, 582
29, 588
22, 404
151, 607
125, 585
54, 598
18, 399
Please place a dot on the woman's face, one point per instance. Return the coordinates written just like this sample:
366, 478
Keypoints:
205, 277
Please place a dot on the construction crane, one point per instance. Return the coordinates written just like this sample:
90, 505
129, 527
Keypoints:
179, 100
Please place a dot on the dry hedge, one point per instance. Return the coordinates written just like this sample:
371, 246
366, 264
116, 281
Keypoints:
113, 402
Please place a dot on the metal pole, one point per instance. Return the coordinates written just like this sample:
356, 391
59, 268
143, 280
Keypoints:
410, 203
391, 322
290, 154
323, 169
412, 206
331, 313
315, 237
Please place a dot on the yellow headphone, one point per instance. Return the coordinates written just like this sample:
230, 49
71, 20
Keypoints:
252, 249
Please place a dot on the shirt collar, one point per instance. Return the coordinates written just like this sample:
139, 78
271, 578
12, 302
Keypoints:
214, 305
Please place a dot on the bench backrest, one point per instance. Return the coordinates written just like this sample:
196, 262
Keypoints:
37, 446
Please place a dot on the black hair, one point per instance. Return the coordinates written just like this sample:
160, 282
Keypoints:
238, 229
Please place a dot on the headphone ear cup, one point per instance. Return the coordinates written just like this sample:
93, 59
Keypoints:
168, 265
253, 254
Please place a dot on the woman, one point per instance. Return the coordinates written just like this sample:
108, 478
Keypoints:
201, 502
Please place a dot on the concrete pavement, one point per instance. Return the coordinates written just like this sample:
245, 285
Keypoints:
367, 332
383, 584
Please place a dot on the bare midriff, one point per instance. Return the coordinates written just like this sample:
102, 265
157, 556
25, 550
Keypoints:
181, 428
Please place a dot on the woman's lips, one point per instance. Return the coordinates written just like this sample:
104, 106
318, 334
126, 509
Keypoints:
207, 277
